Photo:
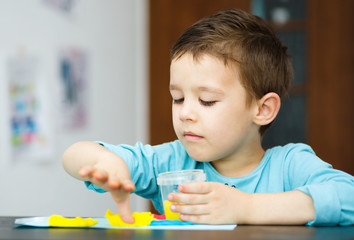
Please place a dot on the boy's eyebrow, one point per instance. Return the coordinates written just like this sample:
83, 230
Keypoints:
212, 90
202, 89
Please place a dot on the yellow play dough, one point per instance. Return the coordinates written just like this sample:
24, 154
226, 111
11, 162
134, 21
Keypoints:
59, 221
141, 219
168, 213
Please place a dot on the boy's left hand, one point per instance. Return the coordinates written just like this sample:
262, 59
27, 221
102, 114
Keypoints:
210, 203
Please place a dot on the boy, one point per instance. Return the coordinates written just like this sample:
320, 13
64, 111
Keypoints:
227, 77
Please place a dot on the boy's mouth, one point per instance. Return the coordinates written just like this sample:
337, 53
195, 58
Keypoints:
190, 136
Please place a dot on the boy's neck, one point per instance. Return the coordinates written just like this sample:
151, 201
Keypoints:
240, 164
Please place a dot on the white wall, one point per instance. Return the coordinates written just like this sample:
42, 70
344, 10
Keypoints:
114, 33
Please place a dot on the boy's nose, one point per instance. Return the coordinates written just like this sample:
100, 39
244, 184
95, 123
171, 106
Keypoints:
187, 113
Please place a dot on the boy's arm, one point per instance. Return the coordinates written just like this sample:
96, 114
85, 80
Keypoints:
92, 162
81, 154
90, 154
215, 203
285, 208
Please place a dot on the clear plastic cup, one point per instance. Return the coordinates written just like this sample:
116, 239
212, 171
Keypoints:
169, 182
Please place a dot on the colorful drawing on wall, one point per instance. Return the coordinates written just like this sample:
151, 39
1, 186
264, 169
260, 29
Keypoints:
30, 127
73, 79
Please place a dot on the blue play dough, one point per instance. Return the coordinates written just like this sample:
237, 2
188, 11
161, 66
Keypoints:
169, 222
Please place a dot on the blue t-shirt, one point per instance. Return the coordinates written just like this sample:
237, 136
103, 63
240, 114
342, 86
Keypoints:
283, 168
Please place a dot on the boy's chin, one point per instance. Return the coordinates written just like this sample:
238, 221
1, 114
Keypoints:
200, 157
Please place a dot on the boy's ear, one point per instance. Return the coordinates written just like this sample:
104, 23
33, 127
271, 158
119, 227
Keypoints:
267, 109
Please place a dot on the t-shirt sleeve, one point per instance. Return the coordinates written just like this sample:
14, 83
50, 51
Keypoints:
332, 190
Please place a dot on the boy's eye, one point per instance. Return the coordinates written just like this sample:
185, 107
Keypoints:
207, 103
179, 100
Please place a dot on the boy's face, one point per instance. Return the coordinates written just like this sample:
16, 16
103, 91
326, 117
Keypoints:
210, 114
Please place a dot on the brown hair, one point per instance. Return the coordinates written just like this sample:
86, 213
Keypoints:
235, 36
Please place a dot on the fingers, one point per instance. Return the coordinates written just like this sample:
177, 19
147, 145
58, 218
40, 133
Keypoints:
192, 193
194, 199
201, 202
128, 185
200, 213
95, 176
188, 198
196, 187
86, 171
190, 209
101, 178
201, 219
124, 210
89, 173
119, 188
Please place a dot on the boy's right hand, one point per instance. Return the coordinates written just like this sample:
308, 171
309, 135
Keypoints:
119, 187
